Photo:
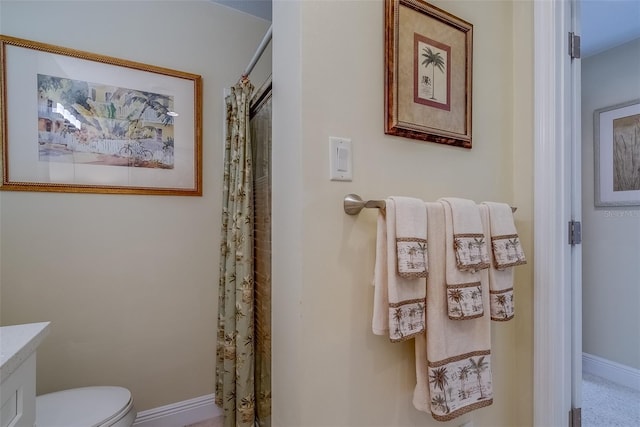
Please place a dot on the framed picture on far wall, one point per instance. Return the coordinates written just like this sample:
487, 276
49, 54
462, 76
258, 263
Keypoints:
427, 73
617, 155
78, 122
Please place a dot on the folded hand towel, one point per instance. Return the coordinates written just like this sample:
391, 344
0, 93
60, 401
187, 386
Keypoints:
456, 377
470, 243
507, 251
399, 303
411, 237
464, 293
500, 280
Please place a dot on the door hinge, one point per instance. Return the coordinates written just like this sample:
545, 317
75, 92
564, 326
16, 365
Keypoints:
574, 45
575, 417
575, 232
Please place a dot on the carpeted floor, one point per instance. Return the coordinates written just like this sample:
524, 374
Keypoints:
606, 404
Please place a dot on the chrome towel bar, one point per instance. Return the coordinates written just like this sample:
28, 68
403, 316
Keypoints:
353, 204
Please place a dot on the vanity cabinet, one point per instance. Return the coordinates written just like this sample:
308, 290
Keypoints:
18, 346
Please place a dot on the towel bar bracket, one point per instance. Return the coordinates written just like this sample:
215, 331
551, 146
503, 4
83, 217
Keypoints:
353, 204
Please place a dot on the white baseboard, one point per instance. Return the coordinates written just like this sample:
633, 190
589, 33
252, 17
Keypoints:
612, 371
179, 414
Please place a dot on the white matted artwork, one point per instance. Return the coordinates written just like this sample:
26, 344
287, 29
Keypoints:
617, 155
80, 122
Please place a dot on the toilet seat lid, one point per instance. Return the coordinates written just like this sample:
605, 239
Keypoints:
86, 406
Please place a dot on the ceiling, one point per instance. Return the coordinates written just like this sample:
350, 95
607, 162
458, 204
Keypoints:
259, 8
608, 23
604, 23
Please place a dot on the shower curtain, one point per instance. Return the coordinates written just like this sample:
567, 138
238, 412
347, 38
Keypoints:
235, 344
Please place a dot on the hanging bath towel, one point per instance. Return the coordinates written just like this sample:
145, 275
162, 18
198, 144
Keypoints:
453, 358
505, 243
499, 219
399, 303
464, 290
468, 238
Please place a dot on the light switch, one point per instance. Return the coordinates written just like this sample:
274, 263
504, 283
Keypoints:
343, 160
340, 155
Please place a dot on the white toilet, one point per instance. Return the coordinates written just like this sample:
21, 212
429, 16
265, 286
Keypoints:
86, 407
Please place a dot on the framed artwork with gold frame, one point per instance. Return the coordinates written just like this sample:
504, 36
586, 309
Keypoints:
428, 73
79, 122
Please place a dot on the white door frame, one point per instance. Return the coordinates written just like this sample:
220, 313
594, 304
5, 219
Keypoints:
554, 130
576, 214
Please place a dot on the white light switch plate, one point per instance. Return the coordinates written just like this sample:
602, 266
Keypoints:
340, 159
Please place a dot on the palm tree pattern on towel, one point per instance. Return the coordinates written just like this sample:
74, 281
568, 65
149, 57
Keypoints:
460, 386
507, 251
502, 304
471, 252
406, 319
465, 302
412, 258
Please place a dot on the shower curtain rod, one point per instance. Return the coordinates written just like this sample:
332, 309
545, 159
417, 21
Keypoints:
263, 45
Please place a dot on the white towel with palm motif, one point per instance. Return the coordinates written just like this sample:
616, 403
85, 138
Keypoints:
453, 359
505, 242
464, 290
411, 237
398, 303
470, 245
501, 298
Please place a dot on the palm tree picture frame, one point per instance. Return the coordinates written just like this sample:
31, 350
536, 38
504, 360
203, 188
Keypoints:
428, 73
74, 121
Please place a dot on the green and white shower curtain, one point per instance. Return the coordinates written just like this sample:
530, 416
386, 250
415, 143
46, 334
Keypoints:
235, 346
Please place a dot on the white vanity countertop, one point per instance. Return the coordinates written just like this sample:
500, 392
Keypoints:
17, 343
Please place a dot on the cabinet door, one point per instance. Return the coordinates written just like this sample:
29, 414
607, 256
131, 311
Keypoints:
18, 392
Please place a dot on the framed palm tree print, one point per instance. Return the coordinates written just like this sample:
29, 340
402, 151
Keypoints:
428, 73
74, 121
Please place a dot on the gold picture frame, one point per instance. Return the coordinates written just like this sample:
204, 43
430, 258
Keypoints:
78, 122
428, 73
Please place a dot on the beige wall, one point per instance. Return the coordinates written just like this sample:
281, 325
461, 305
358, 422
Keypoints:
128, 282
328, 368
70, 258
610, 268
